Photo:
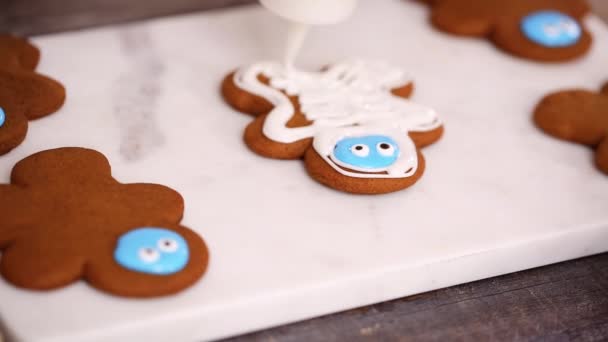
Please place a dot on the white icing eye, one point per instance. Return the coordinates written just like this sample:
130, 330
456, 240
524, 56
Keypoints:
552, 30
385, 149
148, 255
360, 150
571, 28
167, 245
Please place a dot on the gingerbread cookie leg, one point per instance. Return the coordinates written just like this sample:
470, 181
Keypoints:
456, 18
256, 140
601, 156
65, 218
254, 137
579, 116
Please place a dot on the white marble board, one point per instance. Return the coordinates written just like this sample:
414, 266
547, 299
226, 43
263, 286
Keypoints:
498, 196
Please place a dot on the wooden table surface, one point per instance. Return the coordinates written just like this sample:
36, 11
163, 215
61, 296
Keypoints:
561, 302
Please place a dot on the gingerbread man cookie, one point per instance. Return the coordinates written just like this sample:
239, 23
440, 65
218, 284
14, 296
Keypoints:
351, 123
543, 30
24, 93
579, 116
65, 218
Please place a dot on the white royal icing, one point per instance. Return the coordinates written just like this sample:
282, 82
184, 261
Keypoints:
349, 99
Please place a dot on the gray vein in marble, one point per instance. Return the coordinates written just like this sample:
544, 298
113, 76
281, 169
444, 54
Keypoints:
374, 220
136, 96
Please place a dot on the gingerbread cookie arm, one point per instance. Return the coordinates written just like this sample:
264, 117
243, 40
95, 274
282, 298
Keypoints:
89, 168
404, 91
17, 52
163, 204
242, 100
421, 138
424, 139
35, 263
51, 167
455, 18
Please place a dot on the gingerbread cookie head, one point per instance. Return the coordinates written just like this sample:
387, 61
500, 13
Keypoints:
579, 116
543, 30
351, 122
65, 218
24, 94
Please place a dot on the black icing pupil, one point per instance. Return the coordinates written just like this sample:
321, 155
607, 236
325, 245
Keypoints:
149, 251
167, 243
358, 148
385, 146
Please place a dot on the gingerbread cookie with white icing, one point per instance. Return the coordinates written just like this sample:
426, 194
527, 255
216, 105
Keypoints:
542, 30
352, 122
24, 93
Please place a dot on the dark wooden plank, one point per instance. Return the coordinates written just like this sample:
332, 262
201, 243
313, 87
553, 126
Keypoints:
561, 302
30, 17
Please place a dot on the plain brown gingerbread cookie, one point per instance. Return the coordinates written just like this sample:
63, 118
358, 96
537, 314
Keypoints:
580, 116
24, 93
62, 217
316, 167
501, 22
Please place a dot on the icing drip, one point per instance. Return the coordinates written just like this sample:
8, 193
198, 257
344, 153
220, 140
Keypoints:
295, 38
349, 99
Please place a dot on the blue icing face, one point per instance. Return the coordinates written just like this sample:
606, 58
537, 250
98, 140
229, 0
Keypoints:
367, 152
551, 29
152, 250
2, 117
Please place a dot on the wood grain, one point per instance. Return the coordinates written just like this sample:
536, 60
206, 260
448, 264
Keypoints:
561, 302
32, 17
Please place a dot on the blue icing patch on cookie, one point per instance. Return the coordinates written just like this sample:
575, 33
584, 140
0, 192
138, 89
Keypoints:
367, 152
152, 250
551, 29
2, 117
